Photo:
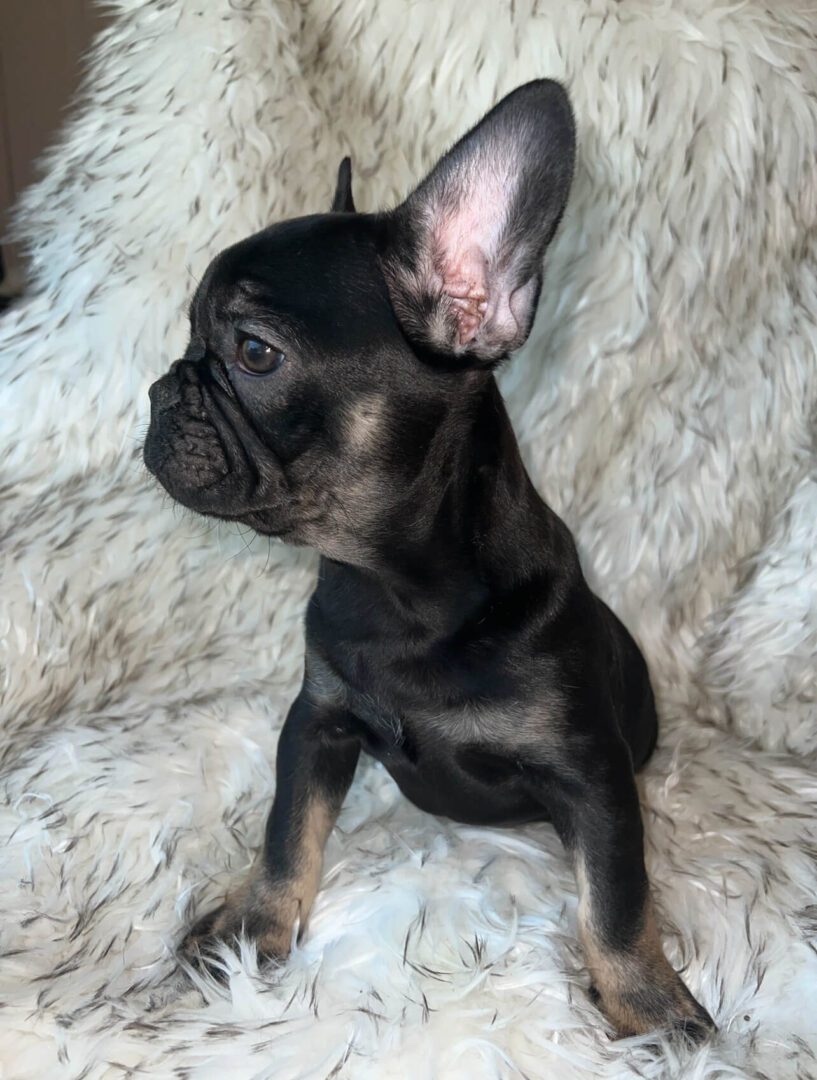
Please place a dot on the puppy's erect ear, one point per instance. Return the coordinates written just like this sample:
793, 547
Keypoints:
464, 255
343, 201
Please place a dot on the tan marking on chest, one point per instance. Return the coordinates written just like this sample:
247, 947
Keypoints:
511, 726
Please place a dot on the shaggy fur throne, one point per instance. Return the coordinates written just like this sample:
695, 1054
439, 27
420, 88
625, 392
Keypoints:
665, 404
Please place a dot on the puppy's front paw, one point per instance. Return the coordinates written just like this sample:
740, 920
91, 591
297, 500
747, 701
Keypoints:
258, 910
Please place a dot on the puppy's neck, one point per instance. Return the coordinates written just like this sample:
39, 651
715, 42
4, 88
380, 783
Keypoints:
457, 533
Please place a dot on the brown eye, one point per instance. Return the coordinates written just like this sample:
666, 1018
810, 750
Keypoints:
258, 358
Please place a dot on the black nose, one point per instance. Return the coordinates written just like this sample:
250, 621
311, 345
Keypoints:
165, 392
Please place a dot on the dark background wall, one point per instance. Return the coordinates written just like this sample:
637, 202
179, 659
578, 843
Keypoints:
42, 43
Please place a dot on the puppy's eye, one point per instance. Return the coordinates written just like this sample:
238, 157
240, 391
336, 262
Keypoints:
257, 357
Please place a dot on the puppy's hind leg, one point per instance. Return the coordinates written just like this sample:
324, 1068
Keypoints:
595, 809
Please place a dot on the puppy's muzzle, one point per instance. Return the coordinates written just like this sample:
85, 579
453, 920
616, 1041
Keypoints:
203, 450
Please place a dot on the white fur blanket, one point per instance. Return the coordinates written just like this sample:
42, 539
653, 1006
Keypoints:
665, 404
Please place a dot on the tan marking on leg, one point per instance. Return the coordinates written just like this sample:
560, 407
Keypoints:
291, 901
267, 909
638, 988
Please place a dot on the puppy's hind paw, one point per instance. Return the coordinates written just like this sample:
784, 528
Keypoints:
693, 1030
669, 1009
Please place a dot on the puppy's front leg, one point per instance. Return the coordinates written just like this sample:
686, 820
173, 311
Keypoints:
595, 809
315, 765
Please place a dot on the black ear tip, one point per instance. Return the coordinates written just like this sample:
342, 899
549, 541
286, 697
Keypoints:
549, 119
549, 98
550, 91
343, 201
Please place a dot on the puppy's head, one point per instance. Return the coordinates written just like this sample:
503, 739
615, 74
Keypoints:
328, 353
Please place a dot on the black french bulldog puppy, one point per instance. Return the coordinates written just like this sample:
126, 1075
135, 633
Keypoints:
338, 391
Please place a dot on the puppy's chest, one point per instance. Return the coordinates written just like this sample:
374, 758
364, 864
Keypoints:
402, 712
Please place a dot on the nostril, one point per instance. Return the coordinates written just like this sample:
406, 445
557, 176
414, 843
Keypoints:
164, 393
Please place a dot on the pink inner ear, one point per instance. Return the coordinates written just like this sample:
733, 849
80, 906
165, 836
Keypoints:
464, 280
467, 237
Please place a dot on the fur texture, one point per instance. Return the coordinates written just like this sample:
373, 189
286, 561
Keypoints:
665, 404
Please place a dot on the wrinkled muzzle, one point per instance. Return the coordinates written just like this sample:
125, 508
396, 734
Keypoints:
204, 451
